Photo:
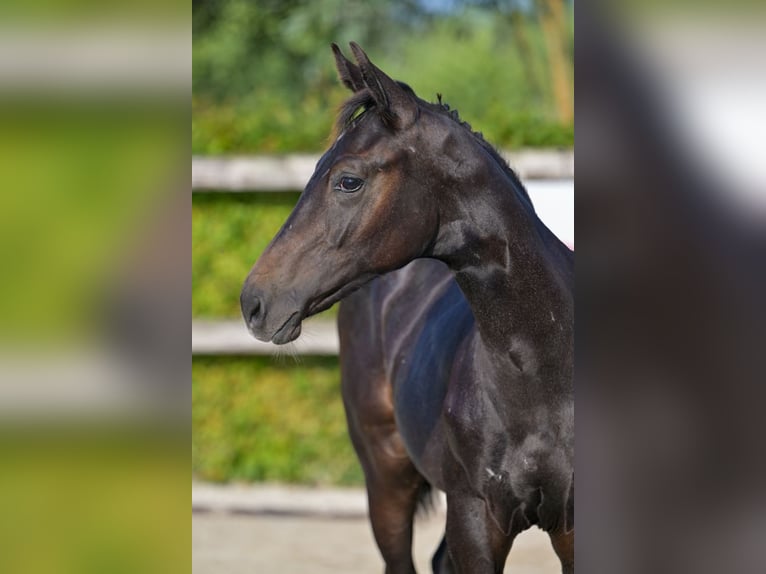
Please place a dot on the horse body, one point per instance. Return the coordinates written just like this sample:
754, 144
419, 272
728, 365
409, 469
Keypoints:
457, 369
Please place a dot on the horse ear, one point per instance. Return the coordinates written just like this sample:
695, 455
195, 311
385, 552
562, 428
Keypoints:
393, 100
348, 72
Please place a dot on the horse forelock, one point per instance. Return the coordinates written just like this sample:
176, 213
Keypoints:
356, 106
348, 111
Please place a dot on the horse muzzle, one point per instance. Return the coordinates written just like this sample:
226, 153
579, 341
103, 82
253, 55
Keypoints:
265, 321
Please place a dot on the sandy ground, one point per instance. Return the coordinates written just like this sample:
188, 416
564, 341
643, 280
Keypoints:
230, 543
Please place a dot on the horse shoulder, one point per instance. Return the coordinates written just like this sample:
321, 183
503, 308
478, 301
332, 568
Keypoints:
521, 470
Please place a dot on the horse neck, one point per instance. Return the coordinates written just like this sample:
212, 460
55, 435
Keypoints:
515, 274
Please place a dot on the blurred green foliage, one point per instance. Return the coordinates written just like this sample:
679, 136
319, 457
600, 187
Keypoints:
93, 498
82, 179
264, 77
256, 418
78, 12
90, 482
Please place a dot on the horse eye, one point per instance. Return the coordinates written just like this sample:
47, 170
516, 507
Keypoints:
348, 184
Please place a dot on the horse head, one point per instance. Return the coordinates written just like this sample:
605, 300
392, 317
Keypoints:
369, 208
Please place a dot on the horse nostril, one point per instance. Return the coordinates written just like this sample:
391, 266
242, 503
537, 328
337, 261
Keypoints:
252, 308
256, 307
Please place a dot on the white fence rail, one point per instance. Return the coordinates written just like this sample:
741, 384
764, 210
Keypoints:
230, 337
291, 172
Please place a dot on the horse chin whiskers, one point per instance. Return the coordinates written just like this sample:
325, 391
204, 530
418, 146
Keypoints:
282, 353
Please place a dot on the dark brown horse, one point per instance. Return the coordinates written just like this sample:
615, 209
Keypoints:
458, 368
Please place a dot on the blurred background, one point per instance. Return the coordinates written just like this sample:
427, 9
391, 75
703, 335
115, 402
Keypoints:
94, 288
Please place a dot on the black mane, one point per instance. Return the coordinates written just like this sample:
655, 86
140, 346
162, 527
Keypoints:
443, 108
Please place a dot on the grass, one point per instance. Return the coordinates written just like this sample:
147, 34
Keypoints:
259, 419
93, 497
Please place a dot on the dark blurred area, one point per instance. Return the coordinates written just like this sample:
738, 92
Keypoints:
670, 209
94, 296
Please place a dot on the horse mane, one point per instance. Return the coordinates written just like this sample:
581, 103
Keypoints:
444, 109
359, 103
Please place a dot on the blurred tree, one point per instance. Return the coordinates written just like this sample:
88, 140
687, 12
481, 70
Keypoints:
551, 14
263, 79
553, 17
244, 45
519, 25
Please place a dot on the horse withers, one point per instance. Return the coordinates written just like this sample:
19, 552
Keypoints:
456, 328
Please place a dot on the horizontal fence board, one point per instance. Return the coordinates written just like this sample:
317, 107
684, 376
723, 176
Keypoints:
279, 500
291, 172
96, 59
231, 337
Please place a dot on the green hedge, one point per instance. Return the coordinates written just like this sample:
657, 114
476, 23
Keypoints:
236, 128
264, 419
